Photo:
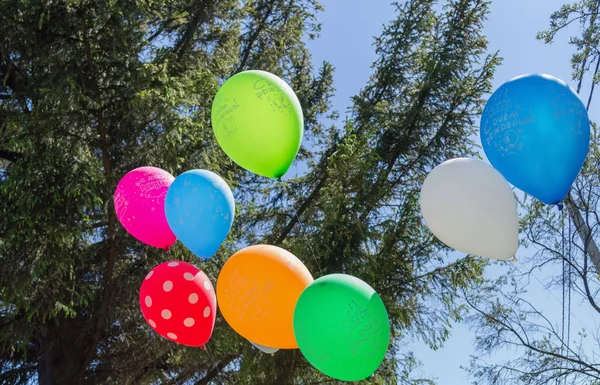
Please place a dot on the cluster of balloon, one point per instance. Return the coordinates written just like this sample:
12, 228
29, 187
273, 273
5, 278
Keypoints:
178, 302
338, 322
176, 298
265, 293
157, 208
535, 131
470, 207
257, 120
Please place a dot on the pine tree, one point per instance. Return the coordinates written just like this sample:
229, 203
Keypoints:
93, 89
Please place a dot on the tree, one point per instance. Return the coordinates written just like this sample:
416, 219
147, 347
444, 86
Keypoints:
94, 89
546, 351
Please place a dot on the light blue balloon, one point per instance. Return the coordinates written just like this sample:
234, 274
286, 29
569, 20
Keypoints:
536, 132
200, 208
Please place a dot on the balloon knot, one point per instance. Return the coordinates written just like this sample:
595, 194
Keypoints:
167, 249
279, 179
202, 347
560, 206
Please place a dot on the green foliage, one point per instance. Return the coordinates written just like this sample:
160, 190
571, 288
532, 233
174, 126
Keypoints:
93, 89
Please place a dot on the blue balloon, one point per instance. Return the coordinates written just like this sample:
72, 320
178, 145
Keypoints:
200, 208
536, 132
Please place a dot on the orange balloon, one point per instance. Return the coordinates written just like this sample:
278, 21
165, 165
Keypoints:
257, 291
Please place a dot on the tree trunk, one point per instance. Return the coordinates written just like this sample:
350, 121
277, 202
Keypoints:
61, 352
589, 245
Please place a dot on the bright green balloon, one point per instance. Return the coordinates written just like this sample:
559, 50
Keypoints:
257, 120
342, 327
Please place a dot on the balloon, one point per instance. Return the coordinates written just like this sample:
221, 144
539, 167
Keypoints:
535, 130
342, 327
470, 207
257, 290
139, 203
200, 210
178, 302
257, 120
264, 349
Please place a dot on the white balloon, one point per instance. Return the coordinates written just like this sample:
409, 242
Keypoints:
470, 207
264, 349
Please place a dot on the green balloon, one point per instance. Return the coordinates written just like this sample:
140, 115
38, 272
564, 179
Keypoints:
257, 120
342, 327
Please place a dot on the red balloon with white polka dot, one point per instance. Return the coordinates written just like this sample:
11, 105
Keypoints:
178, 301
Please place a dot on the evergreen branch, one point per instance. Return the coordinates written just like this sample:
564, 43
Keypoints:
214, 372
305, 205
261, 26
11, 156
199, 17
311, 197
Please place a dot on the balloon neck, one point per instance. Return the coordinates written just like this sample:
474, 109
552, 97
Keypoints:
560, 205
167, 249
202, 347
279, 179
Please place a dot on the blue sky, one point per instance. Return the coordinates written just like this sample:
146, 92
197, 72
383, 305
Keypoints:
349, 27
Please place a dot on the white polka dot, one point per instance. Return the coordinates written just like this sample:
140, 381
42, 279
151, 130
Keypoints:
172, 336
207, 285
189, 322
188, 276
149, 274
193, 298
173, 264
166, 314
206, 312
148, 301
168, 286
152, 323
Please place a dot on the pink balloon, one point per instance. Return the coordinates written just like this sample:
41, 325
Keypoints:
140, 205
